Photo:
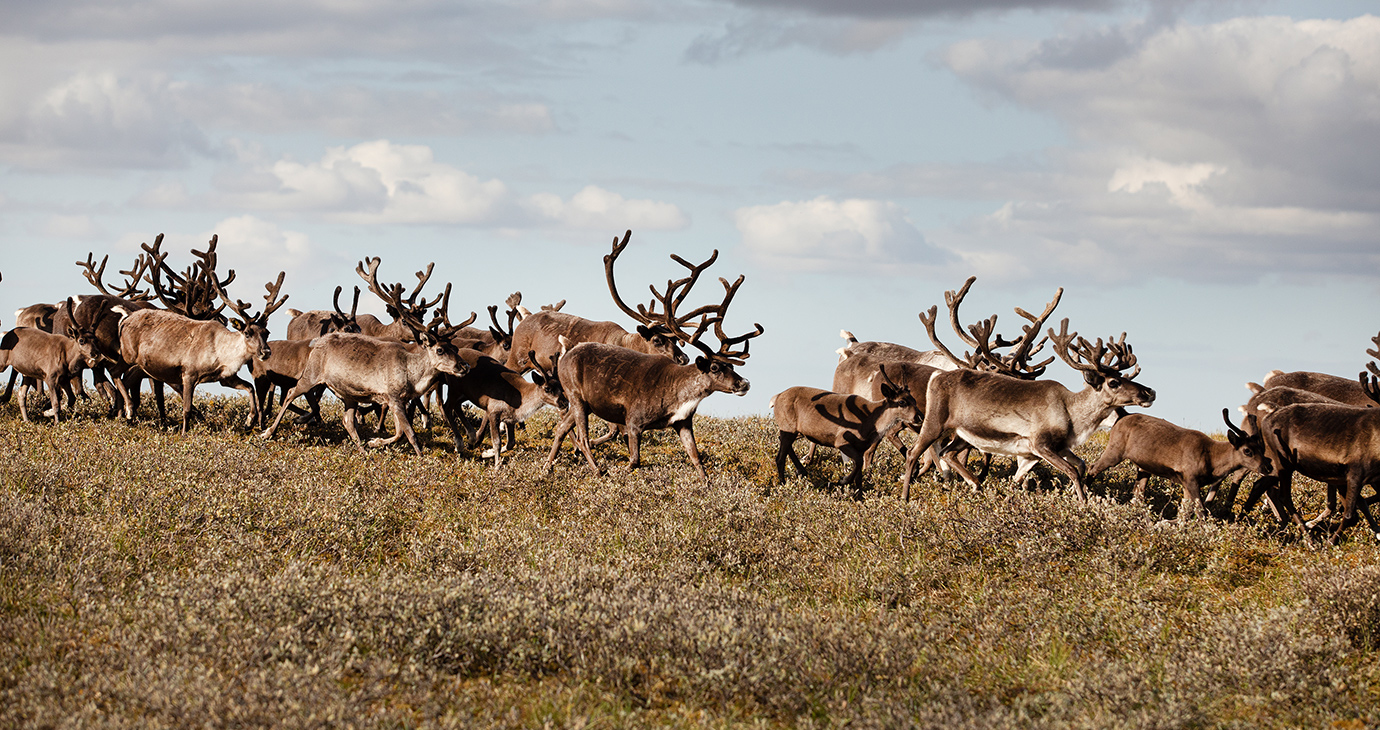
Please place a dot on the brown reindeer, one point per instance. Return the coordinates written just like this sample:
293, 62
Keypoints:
540, 332
94, 323
187, 344
1190, 458
317, 322
641, 391
1336, 444
43, 357
506, 398
362, 369
852, 424
891, 352
1032, 420
1342, 390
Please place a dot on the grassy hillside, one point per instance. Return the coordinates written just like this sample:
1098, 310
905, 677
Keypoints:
153, 580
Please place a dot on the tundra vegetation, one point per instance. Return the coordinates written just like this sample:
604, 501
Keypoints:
150, 579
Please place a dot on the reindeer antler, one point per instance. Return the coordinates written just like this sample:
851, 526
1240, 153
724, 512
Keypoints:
1108, 359
671, 322
409, 311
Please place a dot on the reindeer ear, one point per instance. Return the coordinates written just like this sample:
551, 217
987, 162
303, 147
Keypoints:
237, 324
890, 393
537, 377
645, 331
1094, 379
702, 363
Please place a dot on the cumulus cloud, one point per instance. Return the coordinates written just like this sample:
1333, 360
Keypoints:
101, 119
381, 182
1256, 95
828, 235
594, 208
1217, 152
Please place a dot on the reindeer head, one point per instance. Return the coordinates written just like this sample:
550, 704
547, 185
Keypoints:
1103, 366
434, 336
1251, 445
669, 322
552, 392
900, 398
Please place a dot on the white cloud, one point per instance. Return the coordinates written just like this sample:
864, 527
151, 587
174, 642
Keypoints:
100, 119
1181, 181
826, 235
381, 182
1217, 152
595, 208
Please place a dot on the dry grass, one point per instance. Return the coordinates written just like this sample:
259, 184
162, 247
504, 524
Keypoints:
152, 580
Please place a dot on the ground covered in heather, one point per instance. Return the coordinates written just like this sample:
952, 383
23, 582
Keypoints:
149, 579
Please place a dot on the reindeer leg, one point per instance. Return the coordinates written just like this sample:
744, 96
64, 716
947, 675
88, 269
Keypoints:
238, 383
566, 423
1058, 461
5, 397
686, 431
1192, 500
492, 418
1354, 481
451, 411
854, 478
634, 447
188, 390
913, 455
1142, 481
24, 396
582, 436
54, 396
348, 419
297, 390
786, 445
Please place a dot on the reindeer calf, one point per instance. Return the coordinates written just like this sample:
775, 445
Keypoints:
1190, 458
41, 356
849, 423
506, 397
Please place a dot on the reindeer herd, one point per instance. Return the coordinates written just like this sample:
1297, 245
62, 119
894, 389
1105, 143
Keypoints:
182, 329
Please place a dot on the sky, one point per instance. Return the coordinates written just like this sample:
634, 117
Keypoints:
1203, 176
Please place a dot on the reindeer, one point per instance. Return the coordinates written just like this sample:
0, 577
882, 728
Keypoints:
174, 348
540, 332
641, 391
854, 371
1339, 389
856, 374
93, 322
1264, 400
1191, 458
506, 398
852, 424
891, 352
317, 322
1336, 444
42, 356
360, 369
1031, 420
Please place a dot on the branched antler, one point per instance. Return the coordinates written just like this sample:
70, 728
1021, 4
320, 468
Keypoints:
1107, 360
669, 321
408, 310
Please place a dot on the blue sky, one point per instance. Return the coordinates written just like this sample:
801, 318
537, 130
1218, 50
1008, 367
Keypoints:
1201, 175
